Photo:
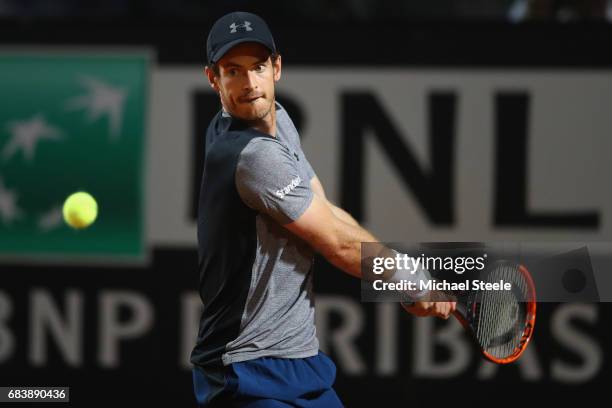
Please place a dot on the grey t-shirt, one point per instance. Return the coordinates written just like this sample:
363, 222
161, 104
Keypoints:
273, 177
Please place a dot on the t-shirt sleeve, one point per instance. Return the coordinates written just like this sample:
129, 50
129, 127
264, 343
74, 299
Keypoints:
268, 180
292, 133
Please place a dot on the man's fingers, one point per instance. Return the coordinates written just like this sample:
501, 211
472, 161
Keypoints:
439, 309
444, 309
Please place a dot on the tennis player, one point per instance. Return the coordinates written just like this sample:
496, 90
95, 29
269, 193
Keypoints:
262, 215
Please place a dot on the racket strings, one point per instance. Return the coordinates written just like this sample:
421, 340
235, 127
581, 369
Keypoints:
500, 315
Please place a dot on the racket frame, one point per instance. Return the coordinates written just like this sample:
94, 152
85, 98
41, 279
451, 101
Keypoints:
529, 323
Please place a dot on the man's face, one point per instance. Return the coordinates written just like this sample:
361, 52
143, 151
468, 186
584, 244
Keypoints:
246, 81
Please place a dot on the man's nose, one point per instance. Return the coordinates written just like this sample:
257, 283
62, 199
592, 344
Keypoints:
250, 81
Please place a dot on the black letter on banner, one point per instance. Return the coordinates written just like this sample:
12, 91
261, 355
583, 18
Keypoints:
511, 120
433, 189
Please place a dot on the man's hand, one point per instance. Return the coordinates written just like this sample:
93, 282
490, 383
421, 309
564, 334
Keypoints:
436, 304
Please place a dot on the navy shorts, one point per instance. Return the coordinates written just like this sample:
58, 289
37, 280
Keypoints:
269, 382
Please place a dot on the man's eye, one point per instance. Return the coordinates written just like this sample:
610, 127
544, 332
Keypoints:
260, 67
232, 72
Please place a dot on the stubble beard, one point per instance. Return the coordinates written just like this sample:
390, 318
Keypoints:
258, 118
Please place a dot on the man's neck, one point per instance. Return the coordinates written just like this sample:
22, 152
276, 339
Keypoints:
267, 124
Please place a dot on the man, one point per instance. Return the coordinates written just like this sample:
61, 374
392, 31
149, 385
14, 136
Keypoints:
262, 214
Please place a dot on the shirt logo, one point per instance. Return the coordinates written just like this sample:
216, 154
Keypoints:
246, 26
281, 193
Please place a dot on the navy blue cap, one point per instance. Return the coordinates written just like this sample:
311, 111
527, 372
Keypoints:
236, 28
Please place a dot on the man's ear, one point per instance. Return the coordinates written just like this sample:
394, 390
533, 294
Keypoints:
212, 79
277, 65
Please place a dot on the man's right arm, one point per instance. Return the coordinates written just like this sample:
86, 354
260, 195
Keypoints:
317, 188
340, 243
268, 181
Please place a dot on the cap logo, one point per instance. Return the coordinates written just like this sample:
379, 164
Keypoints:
246, 26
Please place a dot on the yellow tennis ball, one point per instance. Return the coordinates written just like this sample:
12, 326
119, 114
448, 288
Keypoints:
80, 210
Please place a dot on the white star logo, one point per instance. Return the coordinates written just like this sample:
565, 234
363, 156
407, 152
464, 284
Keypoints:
246, 26
9, 211
26, 134
102, 99
51, 219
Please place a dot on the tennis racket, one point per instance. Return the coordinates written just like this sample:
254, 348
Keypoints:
500, 322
